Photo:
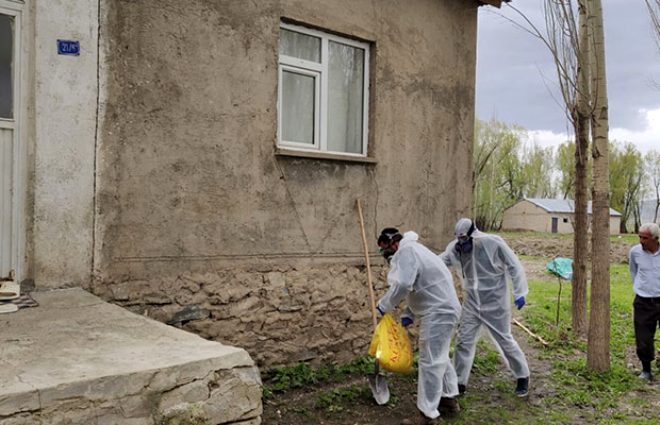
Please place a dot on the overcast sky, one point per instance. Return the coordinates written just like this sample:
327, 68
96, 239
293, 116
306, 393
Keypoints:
516, 81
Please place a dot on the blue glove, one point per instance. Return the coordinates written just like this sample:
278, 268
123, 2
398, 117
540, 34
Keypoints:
380, 310
520, 302
406, 321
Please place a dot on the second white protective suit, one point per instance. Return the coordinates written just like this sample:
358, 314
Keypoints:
483, 262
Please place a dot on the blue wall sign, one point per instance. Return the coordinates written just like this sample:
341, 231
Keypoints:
68, 47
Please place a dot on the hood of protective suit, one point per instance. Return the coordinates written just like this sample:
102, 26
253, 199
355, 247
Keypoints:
463, 228
408, 237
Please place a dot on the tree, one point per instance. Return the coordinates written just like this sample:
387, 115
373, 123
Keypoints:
598, 347
537, 167
580, 117
652, 166
507, 168
497, 178
654, 11
625, 175
568, 40
565, 165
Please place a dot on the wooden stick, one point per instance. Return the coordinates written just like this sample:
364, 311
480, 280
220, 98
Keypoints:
558, 302
541, 340
366, 259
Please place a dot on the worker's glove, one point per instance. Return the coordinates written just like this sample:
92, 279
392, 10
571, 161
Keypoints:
406, 321
520, 302
380, 310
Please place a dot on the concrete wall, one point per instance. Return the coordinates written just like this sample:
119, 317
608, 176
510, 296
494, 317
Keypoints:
615, 225
527, 216
62, 98
200, 223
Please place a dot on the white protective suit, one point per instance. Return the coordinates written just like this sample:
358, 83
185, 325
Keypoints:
418, 274
487, 302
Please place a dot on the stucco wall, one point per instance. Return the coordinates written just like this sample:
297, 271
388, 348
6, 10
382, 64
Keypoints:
615, 225
526, 216
197, 215
62, 101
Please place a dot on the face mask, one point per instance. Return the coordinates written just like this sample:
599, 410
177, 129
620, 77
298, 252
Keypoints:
464, 246
387, 253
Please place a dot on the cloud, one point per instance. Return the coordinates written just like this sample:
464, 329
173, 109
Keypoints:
516, 80
645, 139
547, 138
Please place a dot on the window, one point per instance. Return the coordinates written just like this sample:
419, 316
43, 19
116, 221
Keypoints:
323, 92
565, 220
6, 65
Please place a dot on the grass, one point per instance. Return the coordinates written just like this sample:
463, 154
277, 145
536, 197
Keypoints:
576, 386
566, 393
303, 375
334, 400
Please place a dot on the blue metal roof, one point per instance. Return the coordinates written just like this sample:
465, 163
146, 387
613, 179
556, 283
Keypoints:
563, 206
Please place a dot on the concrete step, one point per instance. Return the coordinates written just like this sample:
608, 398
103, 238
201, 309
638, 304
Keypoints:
76, 359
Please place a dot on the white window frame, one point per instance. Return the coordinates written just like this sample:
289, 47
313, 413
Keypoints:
317, 104
15, 8
306, 67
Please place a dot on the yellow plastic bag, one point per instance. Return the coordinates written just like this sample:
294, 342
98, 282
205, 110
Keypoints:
391, 346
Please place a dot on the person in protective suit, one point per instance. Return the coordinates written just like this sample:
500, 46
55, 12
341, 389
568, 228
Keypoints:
418, 275
483, 263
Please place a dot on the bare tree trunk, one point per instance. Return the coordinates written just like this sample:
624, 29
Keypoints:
657, 201
598, 349
580, 234
654, 11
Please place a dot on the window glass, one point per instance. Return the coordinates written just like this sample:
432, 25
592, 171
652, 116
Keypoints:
6, 63
345, 98
298, 96
301, 46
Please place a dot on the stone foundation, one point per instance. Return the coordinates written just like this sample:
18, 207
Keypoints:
280, 317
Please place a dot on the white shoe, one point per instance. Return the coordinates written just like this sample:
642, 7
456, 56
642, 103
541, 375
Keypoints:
9, 290
8, 308
645, 376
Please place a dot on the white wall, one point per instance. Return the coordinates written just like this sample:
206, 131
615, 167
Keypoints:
64, 98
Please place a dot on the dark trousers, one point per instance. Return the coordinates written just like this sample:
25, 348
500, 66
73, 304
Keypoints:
647, 320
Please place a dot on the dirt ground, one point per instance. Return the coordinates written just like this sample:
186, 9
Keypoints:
547, 247
350, 402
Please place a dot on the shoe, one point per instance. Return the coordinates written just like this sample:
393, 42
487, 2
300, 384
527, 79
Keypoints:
449, 405
9, 290
8, 308
522, 387
646, 376
461, 389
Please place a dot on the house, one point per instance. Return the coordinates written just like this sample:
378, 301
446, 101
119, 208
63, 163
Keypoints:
199, 162
548, 215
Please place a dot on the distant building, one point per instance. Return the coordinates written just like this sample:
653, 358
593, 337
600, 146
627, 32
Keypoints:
548, 215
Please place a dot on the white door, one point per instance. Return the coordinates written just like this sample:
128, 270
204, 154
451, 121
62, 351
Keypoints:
10, 27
